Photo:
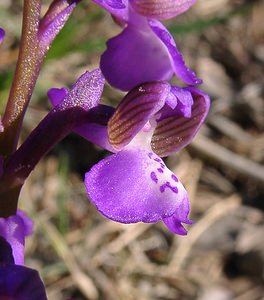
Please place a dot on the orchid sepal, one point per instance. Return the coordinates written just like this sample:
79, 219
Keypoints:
161, 9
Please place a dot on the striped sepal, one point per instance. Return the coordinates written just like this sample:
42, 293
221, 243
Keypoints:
135, 110
174, 133
161, 9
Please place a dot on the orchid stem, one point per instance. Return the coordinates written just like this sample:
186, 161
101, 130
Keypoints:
36, 39
27, 70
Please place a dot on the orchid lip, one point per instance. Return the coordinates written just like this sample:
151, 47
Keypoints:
156, 193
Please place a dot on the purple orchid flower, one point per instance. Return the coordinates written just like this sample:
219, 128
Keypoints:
133, 185
18, 282
145, 50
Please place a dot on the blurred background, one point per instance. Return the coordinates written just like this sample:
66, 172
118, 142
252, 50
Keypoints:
82, 255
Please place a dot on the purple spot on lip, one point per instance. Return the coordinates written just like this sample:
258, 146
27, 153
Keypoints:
174, 189
157, 159
162, 166
174, 178
154, 177
162, 188
160, 170
150, 155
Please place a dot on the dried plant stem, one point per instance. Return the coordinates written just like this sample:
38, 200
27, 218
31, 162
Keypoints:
228, 158
216, 212
85, 283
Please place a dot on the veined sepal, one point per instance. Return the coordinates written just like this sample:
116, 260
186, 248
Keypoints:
161, 9
174, 133
135, 110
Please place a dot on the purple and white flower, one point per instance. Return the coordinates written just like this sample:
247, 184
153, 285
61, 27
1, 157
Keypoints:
152, 121
17, 282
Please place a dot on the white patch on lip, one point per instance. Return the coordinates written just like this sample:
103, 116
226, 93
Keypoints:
161, 176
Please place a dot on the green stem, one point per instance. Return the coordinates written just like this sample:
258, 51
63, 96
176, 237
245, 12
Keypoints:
27, 70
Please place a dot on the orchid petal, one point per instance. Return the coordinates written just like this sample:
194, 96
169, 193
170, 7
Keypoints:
96, 134
20, 283
177, 62
185, 101
28, 223
175, 226
134, 185
117, 8
135, 56
85, 93
95, 130
174, 133
154, 52
178, 102
57, 95
135, 110
53, 22
14, 229
161, 9
2, 35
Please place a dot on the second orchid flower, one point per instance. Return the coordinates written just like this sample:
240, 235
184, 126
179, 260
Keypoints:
145, 50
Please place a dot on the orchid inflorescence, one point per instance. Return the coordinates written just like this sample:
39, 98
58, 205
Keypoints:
153, 120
